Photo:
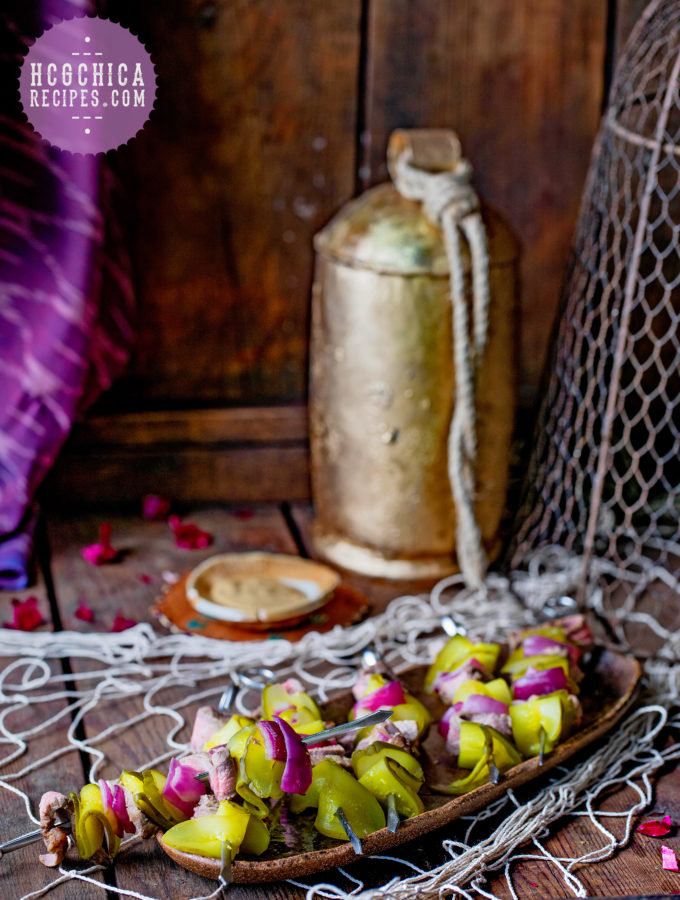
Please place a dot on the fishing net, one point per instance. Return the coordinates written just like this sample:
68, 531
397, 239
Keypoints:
140, 682
604, 474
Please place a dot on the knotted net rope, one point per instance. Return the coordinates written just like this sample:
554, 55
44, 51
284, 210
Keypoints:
449, 200
123, 677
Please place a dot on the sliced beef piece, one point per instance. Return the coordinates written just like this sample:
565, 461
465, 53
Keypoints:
222, 773
197, 761
500, 721
144, 827
447, 683
408, 728
333, 751
206, 723
387, 732
206, 806
54, 809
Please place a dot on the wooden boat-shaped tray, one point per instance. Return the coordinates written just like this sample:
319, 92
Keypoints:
297, 849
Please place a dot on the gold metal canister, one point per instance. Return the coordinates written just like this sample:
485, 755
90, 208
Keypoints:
382, 384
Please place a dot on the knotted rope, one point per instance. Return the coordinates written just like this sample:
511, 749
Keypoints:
449, 200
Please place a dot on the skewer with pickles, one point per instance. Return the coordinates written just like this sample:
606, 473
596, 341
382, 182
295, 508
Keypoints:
211, 803
544, 671
491, 725
217, 801
384, 758
476, 726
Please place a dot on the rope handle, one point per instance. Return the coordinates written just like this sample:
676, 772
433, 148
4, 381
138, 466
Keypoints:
450, 201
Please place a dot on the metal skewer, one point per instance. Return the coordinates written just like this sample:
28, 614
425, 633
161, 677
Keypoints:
25, 839
451, 627
371, 658
541, 746
374, 718
225, 877
494, 774
392, 814
257, 678
349, 831
554, 607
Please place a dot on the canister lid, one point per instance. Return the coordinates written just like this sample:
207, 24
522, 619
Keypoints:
383, 231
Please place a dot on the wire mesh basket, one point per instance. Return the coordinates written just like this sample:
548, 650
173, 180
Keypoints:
604, 475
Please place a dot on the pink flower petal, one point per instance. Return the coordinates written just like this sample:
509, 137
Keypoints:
668, 859
146, 579
84, 613
25, 614
121, 623
103, 552
155, 508
188, 535
654, 828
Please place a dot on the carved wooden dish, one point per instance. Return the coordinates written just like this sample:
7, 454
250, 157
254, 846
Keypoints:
296, 849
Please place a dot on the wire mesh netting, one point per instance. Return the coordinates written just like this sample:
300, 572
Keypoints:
604, 476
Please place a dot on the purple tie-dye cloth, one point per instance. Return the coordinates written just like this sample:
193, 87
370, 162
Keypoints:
65, 295
15, 554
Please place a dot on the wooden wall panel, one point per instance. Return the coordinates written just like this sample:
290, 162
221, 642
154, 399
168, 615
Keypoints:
238, 455
627, 14
252, 147
250, 150
522, 83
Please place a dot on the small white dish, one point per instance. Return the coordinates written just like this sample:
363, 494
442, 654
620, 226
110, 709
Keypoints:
259, 589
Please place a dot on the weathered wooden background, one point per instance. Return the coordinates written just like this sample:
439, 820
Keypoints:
270, 115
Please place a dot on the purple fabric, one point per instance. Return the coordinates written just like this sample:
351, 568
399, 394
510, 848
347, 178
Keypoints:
65, 292
15, 555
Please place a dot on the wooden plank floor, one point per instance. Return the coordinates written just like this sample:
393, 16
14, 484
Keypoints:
129, 589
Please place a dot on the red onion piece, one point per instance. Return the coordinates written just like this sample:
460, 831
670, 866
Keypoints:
274, 742
119, 808
297, 775
537, 644
468, 667
391, 694
182, 789
112, 800
476, 704
107, 796
538, 682
443, 726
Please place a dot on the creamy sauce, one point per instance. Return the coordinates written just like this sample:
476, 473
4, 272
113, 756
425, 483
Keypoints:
257, 597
